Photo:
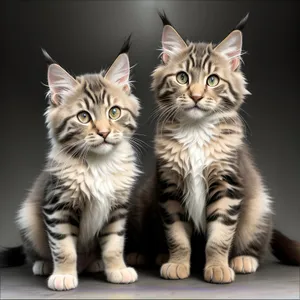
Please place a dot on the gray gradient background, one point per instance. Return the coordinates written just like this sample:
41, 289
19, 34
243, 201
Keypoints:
85, 36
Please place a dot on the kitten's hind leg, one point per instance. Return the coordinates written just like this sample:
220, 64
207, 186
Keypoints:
253, 234
249, 249
135, 259
161, 259
42, 268
95, 267
244, 264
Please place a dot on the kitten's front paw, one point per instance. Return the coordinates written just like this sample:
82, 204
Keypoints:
244, 264
41, 268
126, 275
175, 271
62, 282
218, 274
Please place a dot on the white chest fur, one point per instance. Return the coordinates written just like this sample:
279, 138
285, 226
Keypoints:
192, 138
94, 188
99, 180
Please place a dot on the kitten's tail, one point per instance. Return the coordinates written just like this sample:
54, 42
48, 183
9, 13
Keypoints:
12, 257
285, 249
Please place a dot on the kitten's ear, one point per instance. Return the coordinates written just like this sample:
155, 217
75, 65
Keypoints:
119, 72
172, 42
231, 46
60, 83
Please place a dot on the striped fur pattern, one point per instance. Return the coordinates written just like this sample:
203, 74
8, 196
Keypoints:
74, 218
207, 180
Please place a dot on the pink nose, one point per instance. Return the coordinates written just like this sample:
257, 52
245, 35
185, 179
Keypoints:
196, 97
104, 134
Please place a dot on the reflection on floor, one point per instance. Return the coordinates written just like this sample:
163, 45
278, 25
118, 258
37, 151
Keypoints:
271, 281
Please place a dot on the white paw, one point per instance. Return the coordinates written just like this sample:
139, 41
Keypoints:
96, 266
42, 268
219, 274
126, 275
62, 282
175, 271
244, 264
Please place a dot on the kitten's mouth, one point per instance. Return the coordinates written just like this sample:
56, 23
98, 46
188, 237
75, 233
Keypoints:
194, 108
102, 143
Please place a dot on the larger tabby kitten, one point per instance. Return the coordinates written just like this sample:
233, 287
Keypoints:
206, 180
76, 211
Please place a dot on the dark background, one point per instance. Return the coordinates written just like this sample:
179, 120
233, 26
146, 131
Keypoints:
85, 36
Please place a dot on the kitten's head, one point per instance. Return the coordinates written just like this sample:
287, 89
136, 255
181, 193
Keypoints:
93, 112
196, 80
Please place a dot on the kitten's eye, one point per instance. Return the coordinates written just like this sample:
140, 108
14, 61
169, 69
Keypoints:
213, 80
182, 78
115, 113
84, 117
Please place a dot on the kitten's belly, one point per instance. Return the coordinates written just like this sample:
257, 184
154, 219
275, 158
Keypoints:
195, 188
192, 140
97, 208
93, 219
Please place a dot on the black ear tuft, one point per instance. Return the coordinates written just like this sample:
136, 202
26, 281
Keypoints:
126, 45
164, 18
49, 60
242, 23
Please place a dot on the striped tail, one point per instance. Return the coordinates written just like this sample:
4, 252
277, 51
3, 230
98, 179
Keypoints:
285, 249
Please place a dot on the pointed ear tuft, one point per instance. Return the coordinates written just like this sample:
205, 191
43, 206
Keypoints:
172, 43
60, 83
119, 72
231, 47
164, 18
49, 60
242, 23
126, 45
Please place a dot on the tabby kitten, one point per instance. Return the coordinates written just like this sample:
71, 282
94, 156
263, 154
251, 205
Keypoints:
206, 180
78, 204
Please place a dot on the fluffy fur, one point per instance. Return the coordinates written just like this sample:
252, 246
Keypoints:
206, 182
74, 218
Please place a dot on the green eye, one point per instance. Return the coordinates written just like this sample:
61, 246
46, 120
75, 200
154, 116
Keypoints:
182, 78
115, 113
213, 80
84, 117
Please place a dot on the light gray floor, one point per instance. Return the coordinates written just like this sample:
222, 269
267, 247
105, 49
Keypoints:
272, 281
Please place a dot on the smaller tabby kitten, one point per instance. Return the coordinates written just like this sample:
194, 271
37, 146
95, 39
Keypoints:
74, 218
206, 180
